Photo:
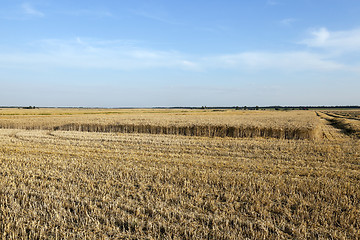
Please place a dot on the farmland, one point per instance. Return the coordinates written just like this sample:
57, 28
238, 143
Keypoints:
285, 125
179, 174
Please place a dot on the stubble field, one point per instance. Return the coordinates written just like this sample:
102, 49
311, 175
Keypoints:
178, 174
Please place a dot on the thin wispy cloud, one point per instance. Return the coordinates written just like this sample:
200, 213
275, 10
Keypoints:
334, 40
281, 61
89, 12
91, 54
153, 16
30, 10
122, 55
272, 2
288, 21
217, 28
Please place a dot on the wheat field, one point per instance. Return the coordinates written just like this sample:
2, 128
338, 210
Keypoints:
208, 123
300, 180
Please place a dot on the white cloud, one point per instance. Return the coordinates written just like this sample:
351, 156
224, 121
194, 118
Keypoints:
30, 10
283, 61
334, 40
125, 55
85, 53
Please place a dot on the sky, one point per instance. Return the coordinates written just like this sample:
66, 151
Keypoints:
160, 53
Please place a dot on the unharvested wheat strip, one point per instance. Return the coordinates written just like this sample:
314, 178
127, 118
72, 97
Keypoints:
237, 124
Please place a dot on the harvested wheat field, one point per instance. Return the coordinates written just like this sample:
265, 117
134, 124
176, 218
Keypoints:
178, 174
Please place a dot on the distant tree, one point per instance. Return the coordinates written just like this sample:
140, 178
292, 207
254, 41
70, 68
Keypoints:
237, 108
245, 108
29, 107
257, 107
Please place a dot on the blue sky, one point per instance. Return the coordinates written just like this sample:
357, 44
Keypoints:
179, 53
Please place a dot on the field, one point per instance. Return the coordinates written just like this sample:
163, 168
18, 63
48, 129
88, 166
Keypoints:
348, 121
285, 125
178, 174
